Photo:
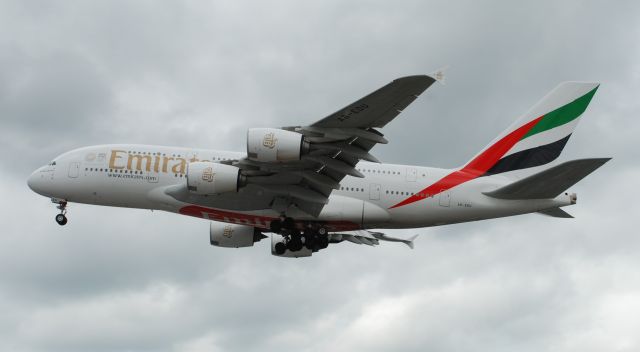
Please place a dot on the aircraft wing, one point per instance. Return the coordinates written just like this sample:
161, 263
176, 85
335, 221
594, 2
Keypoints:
378, 108
336, 144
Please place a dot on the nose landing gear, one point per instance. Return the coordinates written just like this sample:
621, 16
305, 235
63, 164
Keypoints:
61, 218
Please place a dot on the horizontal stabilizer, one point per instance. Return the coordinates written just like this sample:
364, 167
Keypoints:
556, 213
370, 237
383, 237
549, 183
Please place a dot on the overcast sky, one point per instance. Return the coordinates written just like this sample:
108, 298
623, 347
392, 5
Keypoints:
199, 74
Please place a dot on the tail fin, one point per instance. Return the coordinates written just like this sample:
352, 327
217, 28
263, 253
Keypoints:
539, 136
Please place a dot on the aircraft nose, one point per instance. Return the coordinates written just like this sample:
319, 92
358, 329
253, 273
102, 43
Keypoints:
37, 181
32, 181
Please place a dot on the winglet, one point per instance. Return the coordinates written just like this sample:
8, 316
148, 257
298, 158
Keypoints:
439, 75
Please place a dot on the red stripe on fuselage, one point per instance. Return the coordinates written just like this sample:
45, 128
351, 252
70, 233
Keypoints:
259, 221
476, 167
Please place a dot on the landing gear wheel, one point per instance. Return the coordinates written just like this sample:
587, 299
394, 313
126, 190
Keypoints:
322, 231
295, 244
61, 219
309, 239
280, 248
323, 241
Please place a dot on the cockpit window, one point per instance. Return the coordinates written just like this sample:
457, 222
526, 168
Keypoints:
53, 163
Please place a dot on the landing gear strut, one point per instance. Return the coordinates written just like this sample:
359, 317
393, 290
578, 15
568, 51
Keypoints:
283, 225
61, 218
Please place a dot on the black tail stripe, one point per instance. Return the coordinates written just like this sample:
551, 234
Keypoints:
529, 158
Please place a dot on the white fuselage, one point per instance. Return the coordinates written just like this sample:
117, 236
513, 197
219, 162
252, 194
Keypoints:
139, 176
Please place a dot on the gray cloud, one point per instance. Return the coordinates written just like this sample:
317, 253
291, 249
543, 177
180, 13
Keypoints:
199, 75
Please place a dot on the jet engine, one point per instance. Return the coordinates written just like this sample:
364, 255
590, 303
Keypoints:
207, 178
232, 235
275, 145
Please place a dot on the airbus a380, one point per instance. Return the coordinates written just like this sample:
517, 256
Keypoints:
315, 185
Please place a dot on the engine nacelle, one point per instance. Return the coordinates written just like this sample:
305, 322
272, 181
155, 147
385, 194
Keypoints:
207, 178
275, 239
232, 235
275, 145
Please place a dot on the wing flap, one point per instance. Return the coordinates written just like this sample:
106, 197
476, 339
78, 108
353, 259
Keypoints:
336, 165
345, 148
319, 179
346, 133
294, 191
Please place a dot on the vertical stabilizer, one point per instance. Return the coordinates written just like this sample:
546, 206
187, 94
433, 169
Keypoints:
539, 136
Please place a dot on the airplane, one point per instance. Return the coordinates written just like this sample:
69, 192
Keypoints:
310, 186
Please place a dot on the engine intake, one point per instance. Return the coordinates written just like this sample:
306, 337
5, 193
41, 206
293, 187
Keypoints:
232, 235
275, 145
207, 178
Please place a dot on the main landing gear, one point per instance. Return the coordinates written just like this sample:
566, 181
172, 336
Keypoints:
311, 238
61, 218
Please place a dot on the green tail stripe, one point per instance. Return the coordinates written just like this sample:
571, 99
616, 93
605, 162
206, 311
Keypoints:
563, 114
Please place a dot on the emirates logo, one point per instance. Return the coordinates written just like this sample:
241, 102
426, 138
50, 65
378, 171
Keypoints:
227, 231
207, 174
269, 140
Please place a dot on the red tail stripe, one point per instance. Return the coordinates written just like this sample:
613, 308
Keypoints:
476, 167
